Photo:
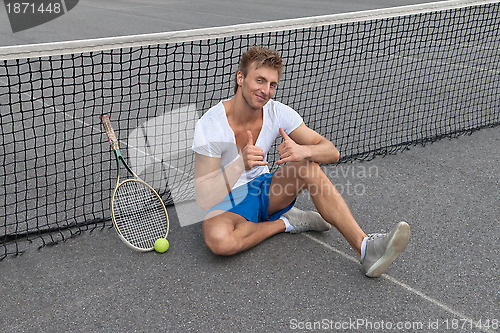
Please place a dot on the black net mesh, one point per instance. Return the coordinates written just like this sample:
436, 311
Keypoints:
371, 87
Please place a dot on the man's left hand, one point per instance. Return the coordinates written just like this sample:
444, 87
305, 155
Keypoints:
290, 151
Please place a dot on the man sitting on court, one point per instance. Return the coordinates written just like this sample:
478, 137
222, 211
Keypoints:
245, 203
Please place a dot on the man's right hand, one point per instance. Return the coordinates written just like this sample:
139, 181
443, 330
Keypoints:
252, 155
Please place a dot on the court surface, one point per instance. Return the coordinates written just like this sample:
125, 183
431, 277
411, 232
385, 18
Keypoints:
446, 280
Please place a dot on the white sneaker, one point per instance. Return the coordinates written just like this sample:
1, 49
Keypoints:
306, 221
382, 249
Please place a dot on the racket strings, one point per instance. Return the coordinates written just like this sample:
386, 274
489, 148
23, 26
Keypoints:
139, 214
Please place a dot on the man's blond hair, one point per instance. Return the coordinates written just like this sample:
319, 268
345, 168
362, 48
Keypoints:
261, 56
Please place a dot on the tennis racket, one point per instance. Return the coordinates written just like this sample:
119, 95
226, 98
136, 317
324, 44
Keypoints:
139, 215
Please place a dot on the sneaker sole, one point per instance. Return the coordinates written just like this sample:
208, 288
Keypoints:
396, 245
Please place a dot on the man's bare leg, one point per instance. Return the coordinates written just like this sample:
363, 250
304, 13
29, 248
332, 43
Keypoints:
226, 233
295, 177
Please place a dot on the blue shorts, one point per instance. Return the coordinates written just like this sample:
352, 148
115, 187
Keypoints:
251, 200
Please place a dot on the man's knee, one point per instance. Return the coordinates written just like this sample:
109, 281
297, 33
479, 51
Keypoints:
220, 245
218, 239
307, 170
312, 178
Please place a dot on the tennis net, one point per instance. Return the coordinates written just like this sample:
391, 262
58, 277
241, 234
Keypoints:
373, 82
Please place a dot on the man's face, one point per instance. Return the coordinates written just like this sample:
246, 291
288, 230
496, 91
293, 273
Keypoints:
259, 86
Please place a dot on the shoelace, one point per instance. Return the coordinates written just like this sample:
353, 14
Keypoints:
375, 236
301, 225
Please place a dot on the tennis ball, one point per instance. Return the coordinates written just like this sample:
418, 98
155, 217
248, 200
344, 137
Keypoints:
161, 245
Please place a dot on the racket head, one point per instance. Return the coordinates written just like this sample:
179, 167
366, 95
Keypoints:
139, 215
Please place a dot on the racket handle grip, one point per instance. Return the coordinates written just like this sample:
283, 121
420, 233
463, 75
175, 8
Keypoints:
109, 131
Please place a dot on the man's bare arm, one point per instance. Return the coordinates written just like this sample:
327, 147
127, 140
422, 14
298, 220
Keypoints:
212, 183
305, 143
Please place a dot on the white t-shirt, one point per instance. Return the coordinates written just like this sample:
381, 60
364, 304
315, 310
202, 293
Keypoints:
214, 137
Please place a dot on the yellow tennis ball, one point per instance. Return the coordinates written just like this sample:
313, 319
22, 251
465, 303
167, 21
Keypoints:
161, 245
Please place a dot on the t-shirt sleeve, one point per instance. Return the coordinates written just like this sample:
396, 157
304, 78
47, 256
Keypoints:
205, 141
289, 119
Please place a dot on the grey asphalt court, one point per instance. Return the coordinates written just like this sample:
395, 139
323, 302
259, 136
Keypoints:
446, 281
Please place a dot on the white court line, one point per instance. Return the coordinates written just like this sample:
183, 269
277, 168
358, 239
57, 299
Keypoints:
442, 63
463, 317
